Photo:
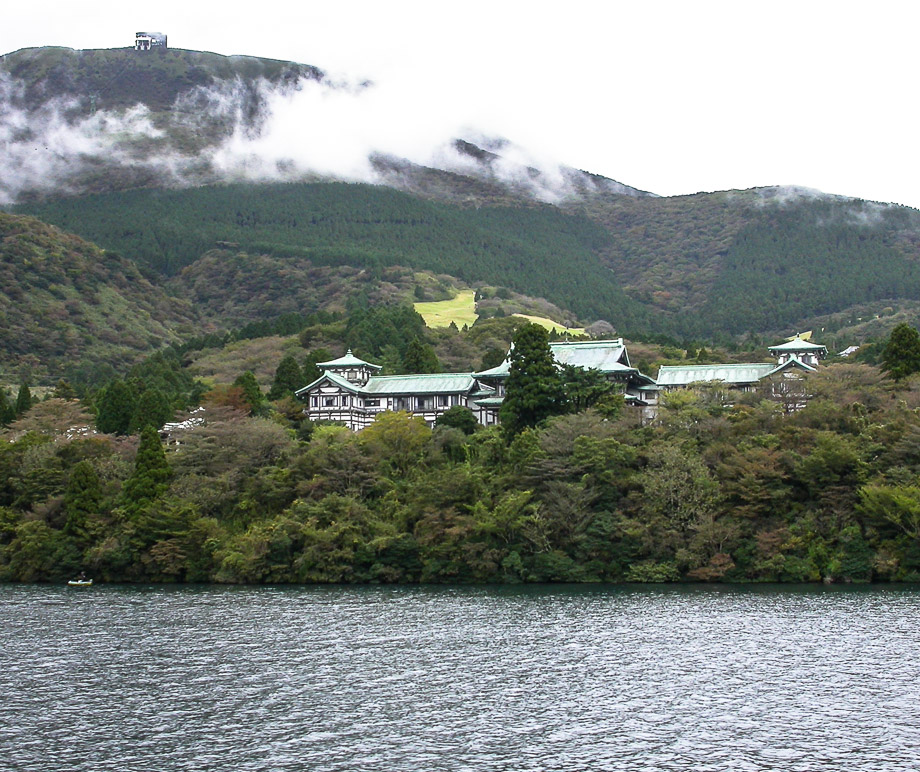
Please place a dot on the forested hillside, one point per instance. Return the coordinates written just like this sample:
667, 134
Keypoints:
67, 306
710, 266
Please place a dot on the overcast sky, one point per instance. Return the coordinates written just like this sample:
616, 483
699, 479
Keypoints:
670, 97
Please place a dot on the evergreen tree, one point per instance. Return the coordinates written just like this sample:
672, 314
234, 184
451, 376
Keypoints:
115, 408
82, 500
901, 356
151, 472
23, 399
533, 391
7, 409
153, 409
310, 371
288, 378
420, 358
63, 390
458, 417
251, 392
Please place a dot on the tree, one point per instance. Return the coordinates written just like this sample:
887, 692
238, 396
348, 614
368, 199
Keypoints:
153, 409
7, 409
459, 417
310, 371
901, 356
151, 472
252, 394
584, 387
23, 400
115, 408
420, 358
288, 378
533, 391
82, 500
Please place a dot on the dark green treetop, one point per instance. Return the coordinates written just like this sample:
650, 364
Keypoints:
901, 356
533, 391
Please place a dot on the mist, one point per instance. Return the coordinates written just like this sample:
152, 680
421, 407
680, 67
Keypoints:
256, 131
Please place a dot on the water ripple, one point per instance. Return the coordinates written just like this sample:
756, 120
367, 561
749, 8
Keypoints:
547, 678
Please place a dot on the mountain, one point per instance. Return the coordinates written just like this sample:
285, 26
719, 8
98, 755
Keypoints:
176, 154
66, 305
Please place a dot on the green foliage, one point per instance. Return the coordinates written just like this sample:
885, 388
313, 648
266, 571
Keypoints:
23, 400
82, 500
252, 394
533, 391
115, 407
901, 356
288, 378
152, 409
458, 417
151, 473
420, 358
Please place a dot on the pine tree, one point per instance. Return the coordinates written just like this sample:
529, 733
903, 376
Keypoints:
151, 472
115, 408
533, 391
251, 392
7, 409
420, 358
82, 500
152, 409
23, 400
901, 356
288, 378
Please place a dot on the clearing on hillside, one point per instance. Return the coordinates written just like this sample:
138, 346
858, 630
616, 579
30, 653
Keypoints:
550, 325
459, 310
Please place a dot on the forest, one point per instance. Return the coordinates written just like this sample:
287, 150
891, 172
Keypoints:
710, 266
246, 490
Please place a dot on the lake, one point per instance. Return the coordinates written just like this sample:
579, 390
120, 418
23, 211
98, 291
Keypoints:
469, 678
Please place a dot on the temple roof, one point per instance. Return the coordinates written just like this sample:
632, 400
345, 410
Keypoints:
683, 375
349, 360
607, 356
797, 345
437, 383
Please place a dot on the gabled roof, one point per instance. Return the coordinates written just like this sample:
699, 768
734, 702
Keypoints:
607, 356
349, 360
797, 345
793, 361
436, 383
335, 380
683, 375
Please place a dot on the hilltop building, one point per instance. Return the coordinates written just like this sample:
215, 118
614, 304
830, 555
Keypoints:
784, 378
149, 41
351, 392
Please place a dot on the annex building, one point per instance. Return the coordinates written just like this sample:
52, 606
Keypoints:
351, 391
784, 378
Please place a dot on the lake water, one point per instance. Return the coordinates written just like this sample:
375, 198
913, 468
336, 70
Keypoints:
534, 678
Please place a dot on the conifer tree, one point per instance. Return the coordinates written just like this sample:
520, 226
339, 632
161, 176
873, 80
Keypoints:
82, 500
151, 472
115, 408
288, 378
23, 400
420, 358
901, 356
251, 392
7, 409
533, 391
152, 409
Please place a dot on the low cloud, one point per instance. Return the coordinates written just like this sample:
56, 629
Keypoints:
256, 131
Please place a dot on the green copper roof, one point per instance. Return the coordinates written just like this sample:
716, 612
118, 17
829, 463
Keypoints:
336, 380
607, 356
349, 360
797, 345
438, 383
682, 375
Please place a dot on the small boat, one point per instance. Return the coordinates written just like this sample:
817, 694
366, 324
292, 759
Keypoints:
80, 583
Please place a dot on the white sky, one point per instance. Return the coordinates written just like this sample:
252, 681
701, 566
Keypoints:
671, 97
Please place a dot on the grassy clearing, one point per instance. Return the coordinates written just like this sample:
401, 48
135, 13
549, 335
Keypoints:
459, 310
549, 324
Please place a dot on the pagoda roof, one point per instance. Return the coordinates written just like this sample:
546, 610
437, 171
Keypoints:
797, 345
349, 360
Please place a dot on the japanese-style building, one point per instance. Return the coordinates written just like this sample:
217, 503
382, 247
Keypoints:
351, 392
783, 379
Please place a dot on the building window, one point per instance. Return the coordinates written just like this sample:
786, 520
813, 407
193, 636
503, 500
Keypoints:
328, 401
443, 400
314, 401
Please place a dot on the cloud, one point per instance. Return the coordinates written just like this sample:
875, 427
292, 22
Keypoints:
236, 130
